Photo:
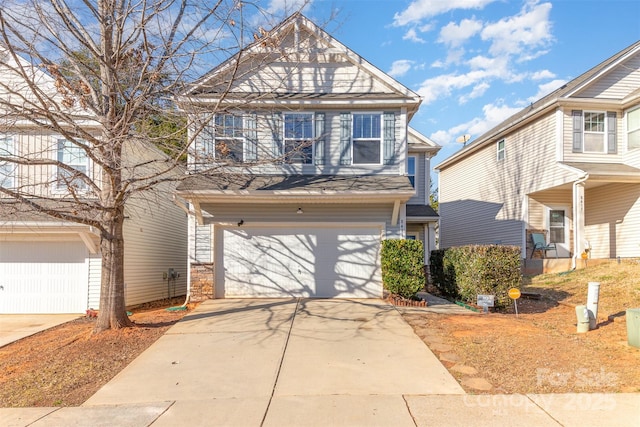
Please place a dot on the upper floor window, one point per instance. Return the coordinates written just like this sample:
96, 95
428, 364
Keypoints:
74, 156
367, 138
411, 170
7, 178
229, 137
594, 132
298, 137
501, 151
633, 129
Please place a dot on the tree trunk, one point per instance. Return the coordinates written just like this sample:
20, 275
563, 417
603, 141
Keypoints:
113, 313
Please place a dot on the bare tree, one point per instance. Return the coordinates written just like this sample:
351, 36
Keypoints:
103, 76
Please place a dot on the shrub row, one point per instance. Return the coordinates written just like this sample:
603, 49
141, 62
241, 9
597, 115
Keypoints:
402, 266
464, 272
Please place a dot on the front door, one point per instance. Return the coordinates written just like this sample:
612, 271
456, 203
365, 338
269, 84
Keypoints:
558, 226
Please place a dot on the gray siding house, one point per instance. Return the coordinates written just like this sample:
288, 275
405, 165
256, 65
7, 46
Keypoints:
306, 166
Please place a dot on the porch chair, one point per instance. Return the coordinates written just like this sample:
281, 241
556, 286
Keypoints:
540, 244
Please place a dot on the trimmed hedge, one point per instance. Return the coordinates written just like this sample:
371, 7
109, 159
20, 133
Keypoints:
403, 266
464, 272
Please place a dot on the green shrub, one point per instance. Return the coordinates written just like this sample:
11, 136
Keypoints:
464, 272
403, 266
443, 278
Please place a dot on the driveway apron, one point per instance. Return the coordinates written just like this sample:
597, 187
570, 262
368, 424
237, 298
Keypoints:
283, 362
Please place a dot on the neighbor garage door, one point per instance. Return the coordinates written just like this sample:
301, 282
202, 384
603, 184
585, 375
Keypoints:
43, 277
300, 262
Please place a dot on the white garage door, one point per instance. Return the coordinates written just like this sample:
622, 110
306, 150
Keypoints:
299, 262
43, 277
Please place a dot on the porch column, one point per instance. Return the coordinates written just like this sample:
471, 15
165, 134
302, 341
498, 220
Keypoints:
578, 220
429, 240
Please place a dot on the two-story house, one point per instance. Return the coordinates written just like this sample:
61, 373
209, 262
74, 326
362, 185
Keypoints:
304, 162
50, 265
567, 166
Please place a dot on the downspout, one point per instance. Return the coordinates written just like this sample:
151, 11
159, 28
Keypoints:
577, 205
184, 205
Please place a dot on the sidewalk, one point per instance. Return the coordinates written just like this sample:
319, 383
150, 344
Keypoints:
537, 410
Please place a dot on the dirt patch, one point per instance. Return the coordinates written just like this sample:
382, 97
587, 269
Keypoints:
537, 352
65, 365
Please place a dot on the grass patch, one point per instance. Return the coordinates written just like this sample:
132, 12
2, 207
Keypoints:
618, 285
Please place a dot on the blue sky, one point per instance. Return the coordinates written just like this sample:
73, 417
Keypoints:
476, 62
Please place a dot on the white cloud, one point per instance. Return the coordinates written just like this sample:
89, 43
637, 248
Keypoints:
483, 70
454, 35
478, 91
412, 35
542, 74
400, 67
493, 114
421, 9
521, 35
546, 89
288, 6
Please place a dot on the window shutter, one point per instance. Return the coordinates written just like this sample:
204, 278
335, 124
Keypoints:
276, 132
345, 138
389, 139
612, 140
318, 145
204, 141
251, 138
577, 131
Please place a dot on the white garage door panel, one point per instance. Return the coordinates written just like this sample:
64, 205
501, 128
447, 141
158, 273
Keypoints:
43, 277
310, 262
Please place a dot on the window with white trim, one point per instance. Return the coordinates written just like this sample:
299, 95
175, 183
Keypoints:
367, 139
594, 131
411, 170
229, 137
633, 129
298, 138
501, 150
7, 169
75, 157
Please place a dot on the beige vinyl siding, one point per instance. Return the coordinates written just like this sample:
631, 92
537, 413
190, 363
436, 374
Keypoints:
313, 213
155, 240
420, 197
632, 158
617, 83
613, 220
604, 157
481, 198
95, 274
539, 204
40, 180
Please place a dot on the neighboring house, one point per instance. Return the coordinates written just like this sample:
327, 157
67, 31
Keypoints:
567, 166
53, 266
308, 165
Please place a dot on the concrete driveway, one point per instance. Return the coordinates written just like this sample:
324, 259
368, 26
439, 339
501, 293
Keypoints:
283, 362
17, 326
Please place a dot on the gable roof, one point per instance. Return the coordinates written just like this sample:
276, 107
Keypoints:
295, 62
419, 142
569, 93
